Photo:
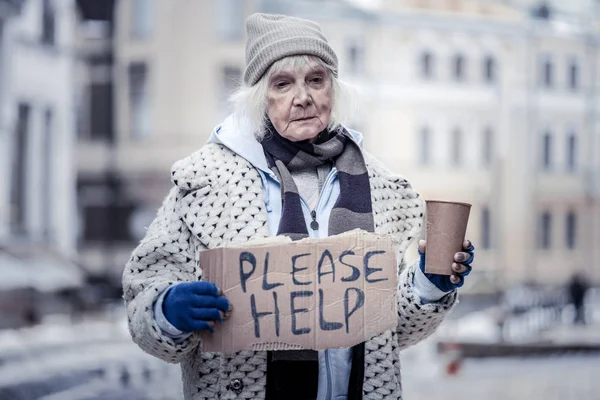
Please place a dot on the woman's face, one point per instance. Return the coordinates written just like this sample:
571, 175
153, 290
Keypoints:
299, 101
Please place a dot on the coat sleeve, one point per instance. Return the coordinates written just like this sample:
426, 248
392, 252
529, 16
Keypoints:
417, 321
166, 256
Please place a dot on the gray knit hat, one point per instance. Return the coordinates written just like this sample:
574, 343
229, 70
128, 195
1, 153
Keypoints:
272, 37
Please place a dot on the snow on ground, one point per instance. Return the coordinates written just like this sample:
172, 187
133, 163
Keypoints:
483, 326
60, 330
94, 355
558, 377
44, 273
548, 378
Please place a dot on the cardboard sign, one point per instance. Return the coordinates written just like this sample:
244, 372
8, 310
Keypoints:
310, 294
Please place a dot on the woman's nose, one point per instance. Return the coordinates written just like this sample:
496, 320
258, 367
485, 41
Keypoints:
302, 97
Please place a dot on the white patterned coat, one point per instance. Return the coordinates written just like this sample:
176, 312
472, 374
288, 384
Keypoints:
217, 199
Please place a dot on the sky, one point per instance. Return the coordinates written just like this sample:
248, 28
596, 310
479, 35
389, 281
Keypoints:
564, 5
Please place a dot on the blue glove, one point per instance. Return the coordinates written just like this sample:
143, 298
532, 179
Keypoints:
194, 306
443, 282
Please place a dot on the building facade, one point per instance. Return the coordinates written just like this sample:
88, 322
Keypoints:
173, 64
38, 114
37, 177
103, 212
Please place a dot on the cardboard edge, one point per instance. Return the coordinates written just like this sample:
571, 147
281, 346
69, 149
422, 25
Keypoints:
275, 346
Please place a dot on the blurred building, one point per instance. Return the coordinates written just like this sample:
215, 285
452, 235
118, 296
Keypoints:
103, 210
37, 180
493, 103
38, 114
137, 116
167, 69
490, 102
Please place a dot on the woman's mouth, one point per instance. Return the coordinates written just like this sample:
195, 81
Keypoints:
303, 119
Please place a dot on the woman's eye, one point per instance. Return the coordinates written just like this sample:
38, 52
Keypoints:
317, 80
281, 84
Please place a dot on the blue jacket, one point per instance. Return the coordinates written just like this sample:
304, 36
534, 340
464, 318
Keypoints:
334, 364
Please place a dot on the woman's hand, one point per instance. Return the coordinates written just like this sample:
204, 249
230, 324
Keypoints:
461, 267
195, 306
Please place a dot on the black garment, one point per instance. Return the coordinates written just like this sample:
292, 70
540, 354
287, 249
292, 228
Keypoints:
294, 375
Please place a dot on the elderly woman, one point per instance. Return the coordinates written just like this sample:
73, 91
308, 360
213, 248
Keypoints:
282, 164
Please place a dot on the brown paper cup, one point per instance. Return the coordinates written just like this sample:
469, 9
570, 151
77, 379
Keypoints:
446, 228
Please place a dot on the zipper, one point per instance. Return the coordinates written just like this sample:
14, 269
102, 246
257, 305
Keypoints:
329, 374
314, 224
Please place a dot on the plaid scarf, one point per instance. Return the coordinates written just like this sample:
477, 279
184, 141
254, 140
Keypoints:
353, 209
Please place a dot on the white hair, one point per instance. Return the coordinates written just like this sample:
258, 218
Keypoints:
250, 102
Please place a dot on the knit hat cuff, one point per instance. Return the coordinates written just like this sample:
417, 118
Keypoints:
292, 46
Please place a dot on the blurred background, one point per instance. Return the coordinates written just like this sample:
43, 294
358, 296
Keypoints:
493, 102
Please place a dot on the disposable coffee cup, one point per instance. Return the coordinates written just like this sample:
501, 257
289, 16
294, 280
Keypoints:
446, 228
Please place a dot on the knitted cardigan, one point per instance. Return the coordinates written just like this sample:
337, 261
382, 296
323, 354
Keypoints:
218, 199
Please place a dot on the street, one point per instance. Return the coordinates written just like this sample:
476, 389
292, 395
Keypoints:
95, 359
92, 359
560, 377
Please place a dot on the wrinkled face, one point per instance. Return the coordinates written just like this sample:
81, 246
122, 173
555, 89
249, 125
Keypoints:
299, 101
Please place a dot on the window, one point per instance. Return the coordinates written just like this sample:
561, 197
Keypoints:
100, 110
457, 147
105, 212
489, 69
545, 234
571, 229
485, 228
487, 147
571, 152
230, 19
573, 77
138, 100
458, 67
95, 29
106, 223
427, 65
547, 151
48, 23
425, 138
19, 170
96, 115
142, 18
355, 58
230, 78
47, 173
547, 73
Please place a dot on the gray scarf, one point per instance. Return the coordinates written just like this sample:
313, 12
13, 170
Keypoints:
353, 208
